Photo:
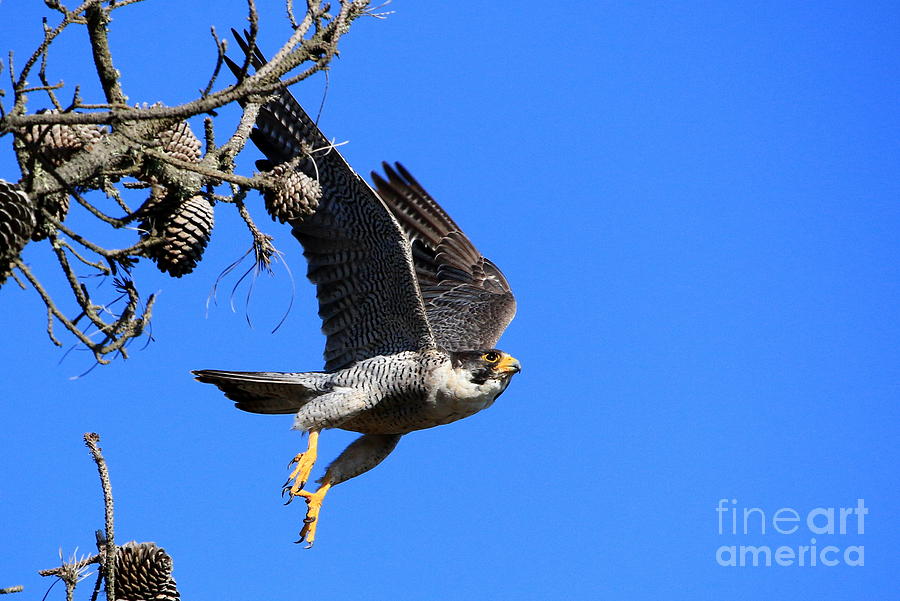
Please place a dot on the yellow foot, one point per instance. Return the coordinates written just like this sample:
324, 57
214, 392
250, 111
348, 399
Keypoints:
303, 463
314, 504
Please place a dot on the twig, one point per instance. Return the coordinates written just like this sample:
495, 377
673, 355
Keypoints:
60, 571
221, 47
50, 333
71, 572
12, 589
42, 73
18, 281
265, 81
238, 140
290, 14
112, 192
97, 20
55, 86
97, 584
78, 289
48, 38
201, 169
109, 559
51, 306
253, 18
103, 252
262, 242
120, 331
104, 269
114, 5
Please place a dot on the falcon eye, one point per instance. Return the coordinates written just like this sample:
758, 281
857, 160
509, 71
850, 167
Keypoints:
491, 357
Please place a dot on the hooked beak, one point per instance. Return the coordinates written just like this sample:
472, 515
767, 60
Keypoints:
509, 365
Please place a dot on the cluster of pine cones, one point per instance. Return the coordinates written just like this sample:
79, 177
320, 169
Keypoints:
57, 144
182, 224
21, 219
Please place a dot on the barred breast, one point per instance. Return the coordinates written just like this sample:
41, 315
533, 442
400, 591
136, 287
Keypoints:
416, 391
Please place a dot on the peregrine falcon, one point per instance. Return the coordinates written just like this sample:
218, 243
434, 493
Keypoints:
410, 309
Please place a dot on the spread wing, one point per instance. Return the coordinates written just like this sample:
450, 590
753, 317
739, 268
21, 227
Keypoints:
359, 258
467, 299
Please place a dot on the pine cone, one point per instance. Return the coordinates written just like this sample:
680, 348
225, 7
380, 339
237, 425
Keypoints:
58, 143
295, 194
57, 204
180, 142
144, 573
155, 204
185, 227
17, 223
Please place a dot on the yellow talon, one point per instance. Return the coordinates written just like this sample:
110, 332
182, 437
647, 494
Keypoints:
314, 504
303, 463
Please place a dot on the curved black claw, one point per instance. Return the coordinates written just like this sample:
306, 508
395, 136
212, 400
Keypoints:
286, 490
303, 533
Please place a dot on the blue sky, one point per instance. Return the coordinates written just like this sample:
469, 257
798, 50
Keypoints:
697, 208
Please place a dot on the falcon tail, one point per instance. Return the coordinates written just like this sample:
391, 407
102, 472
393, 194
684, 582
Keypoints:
265, 391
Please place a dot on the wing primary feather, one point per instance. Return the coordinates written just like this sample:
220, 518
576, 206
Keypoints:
352, 240
467, 298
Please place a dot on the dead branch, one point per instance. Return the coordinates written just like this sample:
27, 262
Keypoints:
12, 589
91, 439
97, 20
132, 572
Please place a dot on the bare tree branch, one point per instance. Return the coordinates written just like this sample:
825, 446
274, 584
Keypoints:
97, 20
92, 439
135, 570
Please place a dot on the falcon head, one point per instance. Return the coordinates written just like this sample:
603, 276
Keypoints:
484, 365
